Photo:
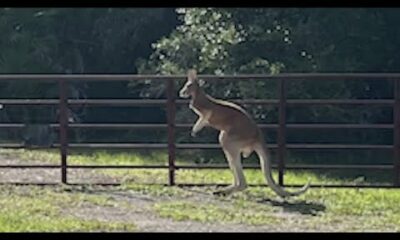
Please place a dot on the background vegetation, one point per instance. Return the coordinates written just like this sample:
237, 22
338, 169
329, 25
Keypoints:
214, 41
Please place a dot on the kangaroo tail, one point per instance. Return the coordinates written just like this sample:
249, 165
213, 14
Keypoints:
262, 152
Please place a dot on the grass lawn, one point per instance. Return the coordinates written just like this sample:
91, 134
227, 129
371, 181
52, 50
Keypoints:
320, 209
44, 209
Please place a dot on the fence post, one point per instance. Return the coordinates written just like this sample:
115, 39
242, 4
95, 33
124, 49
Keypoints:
171, 130
282, 131
63, 120
396, 133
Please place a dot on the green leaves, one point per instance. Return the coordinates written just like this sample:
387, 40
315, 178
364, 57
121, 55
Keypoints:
79, 40
202, 41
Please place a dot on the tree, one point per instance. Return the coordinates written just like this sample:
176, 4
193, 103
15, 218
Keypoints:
84, 40
233, 41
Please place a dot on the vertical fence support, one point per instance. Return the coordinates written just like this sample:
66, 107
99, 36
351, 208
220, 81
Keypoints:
396, 133
171, 130
63, 120
282, 131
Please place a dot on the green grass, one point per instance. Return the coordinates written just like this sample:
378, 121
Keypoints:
342, 209
184, 210
160, 176
103, 158
348, 209
37, 209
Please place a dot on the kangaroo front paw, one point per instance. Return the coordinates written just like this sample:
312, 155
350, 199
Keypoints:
193, 134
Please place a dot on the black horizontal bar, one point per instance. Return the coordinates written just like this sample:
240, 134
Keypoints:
336, 126
31, 183
189, 125
87, 166
240, 101
119, 166
29, 166
312, 126
101, 102
30, 147
57, 184
294, 185
12, 125
201, 185
91, 125
158, 102
114, 125
344, 185
337, 146
130, 77
192, 146
293, 146
289, 166
308, 101
206, 166
6, 102
117, 102
12, 145
117, 145
340, 101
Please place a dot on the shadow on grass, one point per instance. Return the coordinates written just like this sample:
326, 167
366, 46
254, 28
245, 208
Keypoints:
303, 207
295, 206
299, 206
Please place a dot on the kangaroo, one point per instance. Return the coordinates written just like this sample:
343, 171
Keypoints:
239, 135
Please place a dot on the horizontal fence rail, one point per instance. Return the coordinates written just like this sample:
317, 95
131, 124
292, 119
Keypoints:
130, 77
188, 125
158, 102
63, 103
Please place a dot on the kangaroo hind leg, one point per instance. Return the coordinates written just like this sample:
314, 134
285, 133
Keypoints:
231, 150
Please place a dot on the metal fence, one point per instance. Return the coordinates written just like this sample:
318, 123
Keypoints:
171, 102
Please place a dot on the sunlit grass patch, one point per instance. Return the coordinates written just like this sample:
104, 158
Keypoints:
35, 209
211, 213
349, 209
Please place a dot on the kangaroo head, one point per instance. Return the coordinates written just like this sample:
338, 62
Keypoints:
191, 86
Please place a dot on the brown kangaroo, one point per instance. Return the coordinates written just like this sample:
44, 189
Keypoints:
239, 134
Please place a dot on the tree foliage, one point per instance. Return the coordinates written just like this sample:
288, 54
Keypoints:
234, 41
212, 40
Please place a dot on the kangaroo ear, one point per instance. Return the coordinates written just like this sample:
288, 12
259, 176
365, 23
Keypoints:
201, 82
192, 75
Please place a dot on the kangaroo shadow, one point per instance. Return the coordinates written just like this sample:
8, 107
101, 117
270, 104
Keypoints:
288, 205
302, 207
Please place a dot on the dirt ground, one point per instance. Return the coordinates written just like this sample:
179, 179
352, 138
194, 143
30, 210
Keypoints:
140, 214
140, 210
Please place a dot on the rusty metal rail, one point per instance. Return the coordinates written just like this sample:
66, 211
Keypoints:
170, 126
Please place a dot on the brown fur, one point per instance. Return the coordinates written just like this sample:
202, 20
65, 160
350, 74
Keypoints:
239, 134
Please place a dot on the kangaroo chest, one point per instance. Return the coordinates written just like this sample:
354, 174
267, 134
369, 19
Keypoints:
200, 110
197, 110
